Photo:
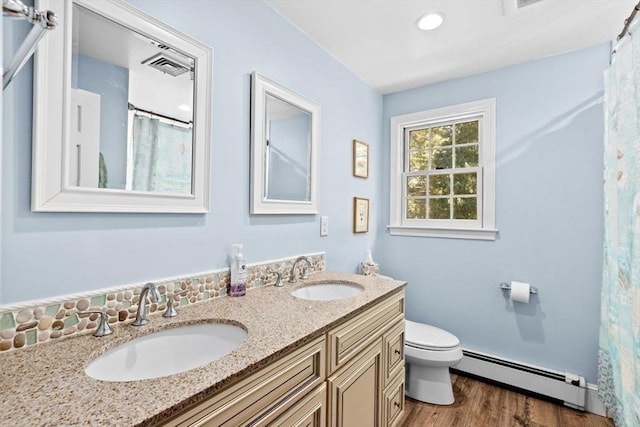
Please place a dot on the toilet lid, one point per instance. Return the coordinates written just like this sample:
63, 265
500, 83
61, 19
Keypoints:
428, 337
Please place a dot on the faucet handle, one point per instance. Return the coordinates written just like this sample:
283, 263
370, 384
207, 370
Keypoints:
278, 282
103, 325
171, 311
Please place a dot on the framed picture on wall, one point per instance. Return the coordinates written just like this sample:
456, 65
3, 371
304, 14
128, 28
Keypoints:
360, 215
360, 159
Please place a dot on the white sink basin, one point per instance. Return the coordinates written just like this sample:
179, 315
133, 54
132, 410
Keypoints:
328, 291
166, 352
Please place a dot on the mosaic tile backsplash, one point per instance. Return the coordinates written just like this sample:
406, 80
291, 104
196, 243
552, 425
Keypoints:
61, 317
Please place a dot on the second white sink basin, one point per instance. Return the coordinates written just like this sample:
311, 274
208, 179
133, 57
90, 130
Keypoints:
167, 352
328, 291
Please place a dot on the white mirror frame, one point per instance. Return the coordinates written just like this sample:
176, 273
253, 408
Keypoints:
51, 191
260, 87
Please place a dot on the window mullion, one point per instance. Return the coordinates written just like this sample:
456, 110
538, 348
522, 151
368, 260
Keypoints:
451, 191
429, 152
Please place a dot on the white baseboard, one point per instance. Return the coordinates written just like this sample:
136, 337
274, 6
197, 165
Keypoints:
593, 404
569, 388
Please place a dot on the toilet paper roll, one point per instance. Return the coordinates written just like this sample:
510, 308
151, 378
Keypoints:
520, 292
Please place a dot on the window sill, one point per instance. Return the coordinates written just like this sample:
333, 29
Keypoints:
444, 232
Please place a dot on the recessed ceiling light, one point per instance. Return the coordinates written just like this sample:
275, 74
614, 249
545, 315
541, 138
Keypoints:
184, 107
430, 21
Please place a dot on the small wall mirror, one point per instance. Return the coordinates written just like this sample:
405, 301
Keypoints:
121, 113
285, 145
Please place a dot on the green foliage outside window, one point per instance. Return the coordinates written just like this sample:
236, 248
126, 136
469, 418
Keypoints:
439, 187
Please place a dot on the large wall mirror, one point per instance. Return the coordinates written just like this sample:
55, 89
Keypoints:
285, 145
121, 113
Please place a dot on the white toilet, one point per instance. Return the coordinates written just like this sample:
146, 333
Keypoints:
429, 352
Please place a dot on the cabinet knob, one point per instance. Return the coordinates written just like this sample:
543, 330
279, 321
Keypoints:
396, 351
396, 404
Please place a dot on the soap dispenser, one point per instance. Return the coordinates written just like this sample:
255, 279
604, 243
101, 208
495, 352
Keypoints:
238, 273
369, 267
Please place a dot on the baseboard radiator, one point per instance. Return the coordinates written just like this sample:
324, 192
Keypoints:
568, 388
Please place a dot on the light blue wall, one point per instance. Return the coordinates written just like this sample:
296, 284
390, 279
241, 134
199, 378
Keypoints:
549, 197
48, 254
14, 32
548, 212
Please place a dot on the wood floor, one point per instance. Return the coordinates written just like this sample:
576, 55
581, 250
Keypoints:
479, 404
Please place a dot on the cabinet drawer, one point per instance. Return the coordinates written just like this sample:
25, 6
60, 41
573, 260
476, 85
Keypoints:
310, 411
393, 402
346, 340
296, 373
393, 347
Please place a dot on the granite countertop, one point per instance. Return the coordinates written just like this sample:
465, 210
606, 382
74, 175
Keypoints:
45, 385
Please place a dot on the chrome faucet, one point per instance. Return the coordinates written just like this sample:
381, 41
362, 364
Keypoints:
141, 315
305, 276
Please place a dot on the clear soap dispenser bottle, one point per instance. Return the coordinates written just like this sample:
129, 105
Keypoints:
238, 273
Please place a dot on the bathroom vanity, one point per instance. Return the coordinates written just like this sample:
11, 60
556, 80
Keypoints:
351, 375
336, 363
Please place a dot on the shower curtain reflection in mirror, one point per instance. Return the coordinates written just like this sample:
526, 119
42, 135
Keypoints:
159, 155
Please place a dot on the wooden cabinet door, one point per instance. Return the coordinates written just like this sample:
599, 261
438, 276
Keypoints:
355, 391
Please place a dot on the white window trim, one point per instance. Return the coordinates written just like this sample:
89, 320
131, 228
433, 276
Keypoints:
486, 109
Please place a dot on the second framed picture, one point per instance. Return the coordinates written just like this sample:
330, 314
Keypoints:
360, 215
360, 159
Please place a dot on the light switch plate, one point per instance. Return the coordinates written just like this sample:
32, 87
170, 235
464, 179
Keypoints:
324, 226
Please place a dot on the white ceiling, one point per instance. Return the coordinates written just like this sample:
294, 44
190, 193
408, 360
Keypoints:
103, 39
378, 39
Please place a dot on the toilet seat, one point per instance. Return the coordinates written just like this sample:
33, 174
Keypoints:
427, 337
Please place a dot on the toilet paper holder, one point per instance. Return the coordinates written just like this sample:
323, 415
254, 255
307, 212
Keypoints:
507, 287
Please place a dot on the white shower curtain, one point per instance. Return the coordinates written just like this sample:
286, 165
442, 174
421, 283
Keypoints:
619, 356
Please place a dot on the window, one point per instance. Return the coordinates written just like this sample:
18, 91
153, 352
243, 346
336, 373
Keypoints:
443, 172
